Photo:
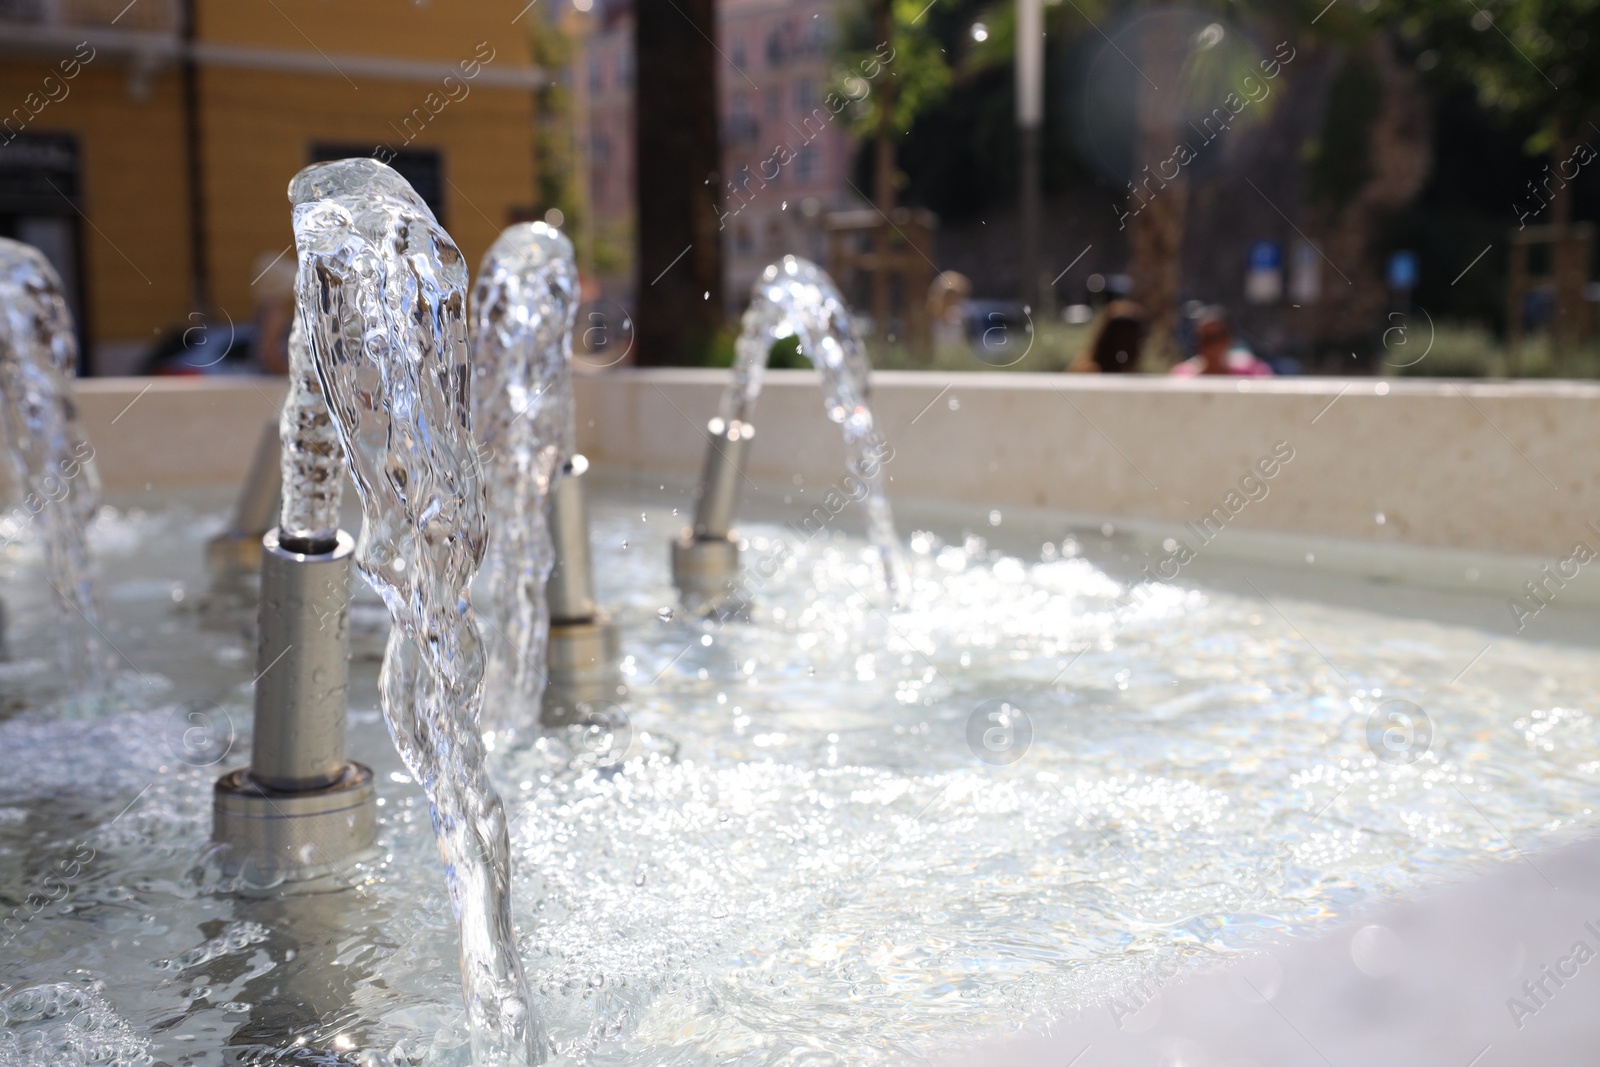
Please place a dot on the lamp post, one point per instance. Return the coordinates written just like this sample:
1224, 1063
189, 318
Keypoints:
1030, 117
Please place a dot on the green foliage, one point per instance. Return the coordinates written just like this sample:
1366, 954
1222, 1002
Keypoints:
911, 58
1055, 346
555, 167
1524, 57
960, 151
1463, 350
785, 355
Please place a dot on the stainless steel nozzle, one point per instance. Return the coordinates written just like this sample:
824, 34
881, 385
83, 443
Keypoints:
300, 810
705, 557
719, 482
583, 648
570, 591
302, 666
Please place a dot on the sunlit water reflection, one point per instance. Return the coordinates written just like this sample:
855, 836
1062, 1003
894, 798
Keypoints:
808, 853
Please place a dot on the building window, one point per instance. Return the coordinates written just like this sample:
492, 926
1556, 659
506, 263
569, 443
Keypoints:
625, 68
774, 104
741, 240
741, 127
596, 74
738, 51
422, 167
805, 164
805, 95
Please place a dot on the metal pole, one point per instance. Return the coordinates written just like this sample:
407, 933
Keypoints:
1030, 117
570, 591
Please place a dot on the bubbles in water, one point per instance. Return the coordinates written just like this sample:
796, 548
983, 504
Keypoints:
56, 1023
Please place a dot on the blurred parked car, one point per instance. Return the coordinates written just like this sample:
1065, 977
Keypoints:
205, 348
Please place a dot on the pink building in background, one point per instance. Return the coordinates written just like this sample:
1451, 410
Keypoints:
786, 159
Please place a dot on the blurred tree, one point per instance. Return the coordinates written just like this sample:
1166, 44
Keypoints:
890, 65
1195, 51
1530, 60
960, 150
550, 46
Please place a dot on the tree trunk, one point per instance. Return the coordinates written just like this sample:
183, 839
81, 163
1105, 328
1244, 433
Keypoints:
680, 307
1158, 207
1355, 294
1566, 272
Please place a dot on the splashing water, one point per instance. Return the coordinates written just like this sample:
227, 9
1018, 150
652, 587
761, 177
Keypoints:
313, 462
795, 298
383, 291
523, 307
51, 456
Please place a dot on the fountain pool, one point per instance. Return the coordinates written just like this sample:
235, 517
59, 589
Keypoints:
826, 833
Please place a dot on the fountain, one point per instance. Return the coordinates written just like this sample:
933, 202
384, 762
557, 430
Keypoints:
51, 457
523, 306
384, 293
792, 298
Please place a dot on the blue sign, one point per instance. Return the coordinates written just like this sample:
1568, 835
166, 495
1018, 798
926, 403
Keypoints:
1403, 270
1266, 255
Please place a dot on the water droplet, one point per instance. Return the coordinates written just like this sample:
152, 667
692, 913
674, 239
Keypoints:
1380, 518
705, 639
707, 296
994, 518
665, 614
624, 544
811, 672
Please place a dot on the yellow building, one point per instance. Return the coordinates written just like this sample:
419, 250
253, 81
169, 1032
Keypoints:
146, 145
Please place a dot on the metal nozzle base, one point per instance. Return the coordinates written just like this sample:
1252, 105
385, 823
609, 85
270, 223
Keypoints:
705, 569
276, 837
582, 662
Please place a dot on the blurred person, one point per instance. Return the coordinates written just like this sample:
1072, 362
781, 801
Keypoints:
1115, 344
1217, 351
947, 298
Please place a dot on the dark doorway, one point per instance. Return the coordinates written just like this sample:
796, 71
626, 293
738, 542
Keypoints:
39, 202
